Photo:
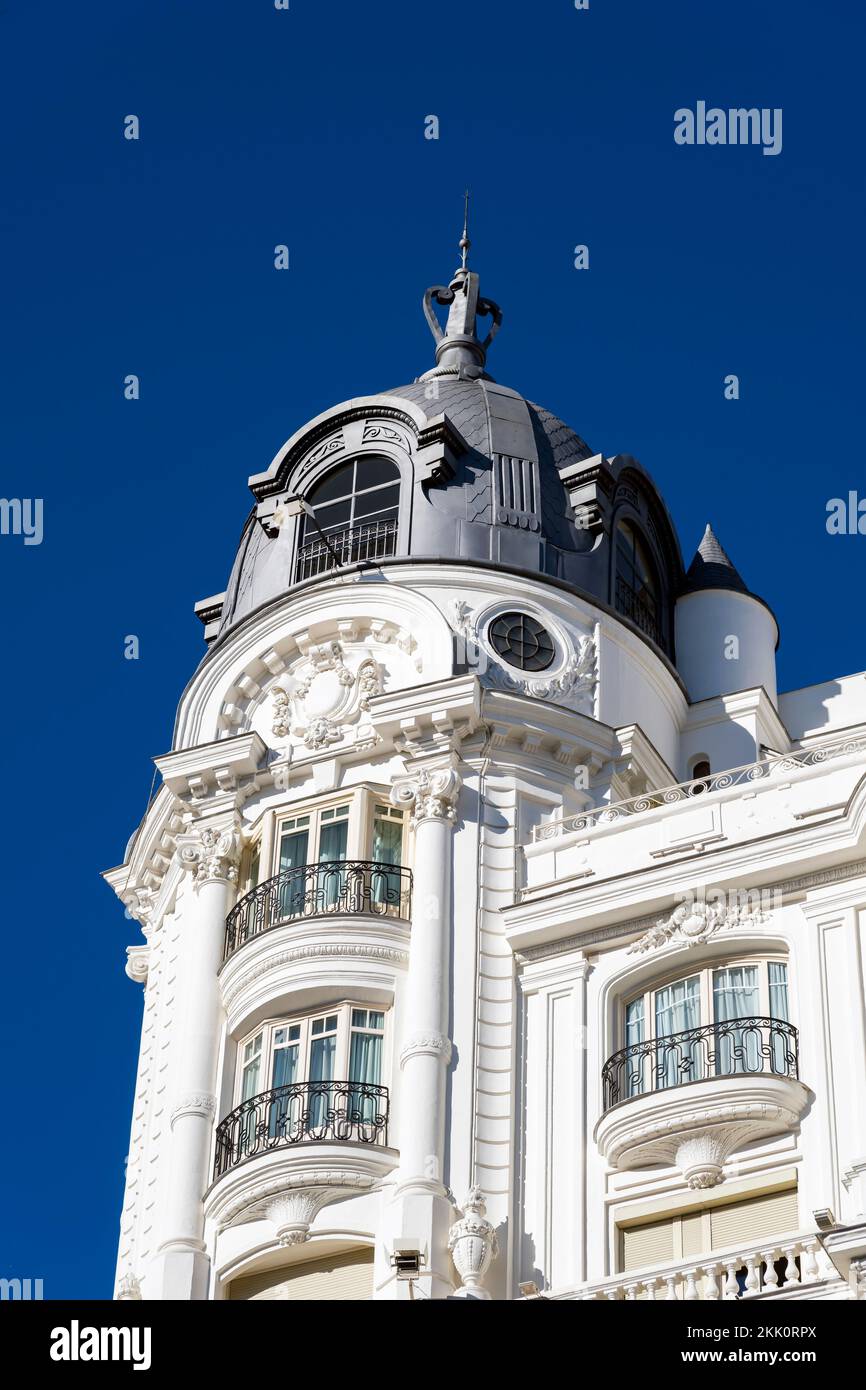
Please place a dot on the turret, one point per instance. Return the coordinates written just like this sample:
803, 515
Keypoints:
726, 637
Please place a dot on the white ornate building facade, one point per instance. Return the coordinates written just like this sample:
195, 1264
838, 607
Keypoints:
505, 928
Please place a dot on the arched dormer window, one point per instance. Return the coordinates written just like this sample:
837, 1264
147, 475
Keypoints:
637, 592
350, 515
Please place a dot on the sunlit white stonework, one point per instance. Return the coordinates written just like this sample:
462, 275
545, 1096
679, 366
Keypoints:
503, 924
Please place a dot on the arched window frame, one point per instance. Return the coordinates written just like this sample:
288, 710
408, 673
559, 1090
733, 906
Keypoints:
363, 535
704, 971
280, 513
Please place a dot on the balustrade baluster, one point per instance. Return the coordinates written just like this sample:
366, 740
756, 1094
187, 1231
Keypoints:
732, 1288
711, 1292
771, 1277
792, 1273
753, 1279
808, 1263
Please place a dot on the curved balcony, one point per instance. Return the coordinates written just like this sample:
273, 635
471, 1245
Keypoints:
341, 888
693, 1097
342, 1112
284, 1154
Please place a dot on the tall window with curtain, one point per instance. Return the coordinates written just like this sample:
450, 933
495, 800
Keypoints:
677, 1009
735, 995
365, 1061
386, 852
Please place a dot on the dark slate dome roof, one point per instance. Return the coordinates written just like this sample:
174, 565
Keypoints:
464, 403
468, 406
504, 499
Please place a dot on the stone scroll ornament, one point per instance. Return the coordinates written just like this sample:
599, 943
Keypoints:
322, 697
210, 854
430, 795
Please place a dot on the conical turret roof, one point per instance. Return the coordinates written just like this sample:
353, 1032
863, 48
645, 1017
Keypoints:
712, 567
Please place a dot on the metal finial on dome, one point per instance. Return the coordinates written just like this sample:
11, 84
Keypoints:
459, 351
464, 242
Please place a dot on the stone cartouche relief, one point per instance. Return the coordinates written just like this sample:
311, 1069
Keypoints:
322, 696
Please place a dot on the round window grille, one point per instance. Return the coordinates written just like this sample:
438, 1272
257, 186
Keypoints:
521, 641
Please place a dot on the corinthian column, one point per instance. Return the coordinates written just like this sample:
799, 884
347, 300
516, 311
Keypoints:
426, 1048
210, 854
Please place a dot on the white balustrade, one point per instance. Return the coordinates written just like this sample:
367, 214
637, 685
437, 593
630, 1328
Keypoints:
750, 1273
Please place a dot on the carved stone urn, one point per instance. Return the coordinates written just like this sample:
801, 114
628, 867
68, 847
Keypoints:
474, 1246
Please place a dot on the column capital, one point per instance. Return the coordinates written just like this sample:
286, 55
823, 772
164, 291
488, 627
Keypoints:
436, 1045
432, 793
211, 853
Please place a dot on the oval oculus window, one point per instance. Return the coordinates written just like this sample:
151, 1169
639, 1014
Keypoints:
521, 641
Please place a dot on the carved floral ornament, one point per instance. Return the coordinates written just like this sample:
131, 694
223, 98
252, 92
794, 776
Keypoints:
698, 917
322, 696
573, 686
431, 795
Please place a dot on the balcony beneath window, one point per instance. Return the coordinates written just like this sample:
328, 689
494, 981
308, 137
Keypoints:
375, 540
693, 1098
641, 613
344, 888
284, 1154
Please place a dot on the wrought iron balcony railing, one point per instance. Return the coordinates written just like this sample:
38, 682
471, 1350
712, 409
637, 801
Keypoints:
631, 605
780, 766
350, 886
742, 1046
375, 540
342, 1112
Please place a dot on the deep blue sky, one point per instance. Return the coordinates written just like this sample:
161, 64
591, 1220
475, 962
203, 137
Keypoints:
261, 127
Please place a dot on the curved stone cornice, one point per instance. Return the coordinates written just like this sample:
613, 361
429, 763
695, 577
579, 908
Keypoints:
299, 1176
431, 795
288, 957
699, 1125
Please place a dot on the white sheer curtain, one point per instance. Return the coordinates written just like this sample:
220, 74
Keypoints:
735, 995
365, 1066
635, 1067
322, 1053
332, 850
387, 850
677, 1008
779, 1042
